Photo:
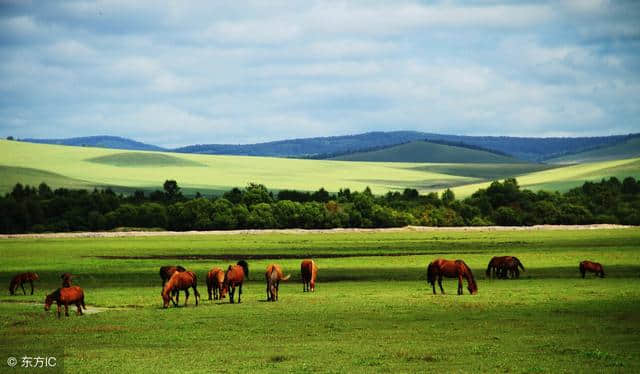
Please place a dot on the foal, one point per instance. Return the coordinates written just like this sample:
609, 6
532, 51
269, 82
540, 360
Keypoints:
20, 279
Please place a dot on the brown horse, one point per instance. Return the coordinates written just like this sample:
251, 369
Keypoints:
593, 267
309, 272
215, 281
273, 276
165, 274
180, 281
234, 277
66, 279
20, 279
65, 296
501, 266
451, 269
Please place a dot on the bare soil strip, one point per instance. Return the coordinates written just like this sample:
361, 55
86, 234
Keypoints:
72, 308
126, 234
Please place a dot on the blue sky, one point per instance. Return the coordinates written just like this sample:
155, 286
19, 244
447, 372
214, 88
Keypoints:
176, 73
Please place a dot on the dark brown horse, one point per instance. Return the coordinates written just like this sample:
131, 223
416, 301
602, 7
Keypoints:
451, 269
20, 279
65, 296
502, 266
234, 277
66, 279
273, 276
593, 267
215, 281
165, 274
309, 272
180, 281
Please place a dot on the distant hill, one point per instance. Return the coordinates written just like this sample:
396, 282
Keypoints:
100, 141
308, 147
628, 148
424, 151
530, 149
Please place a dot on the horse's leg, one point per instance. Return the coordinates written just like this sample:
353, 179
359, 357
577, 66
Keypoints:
460, 284
31, 282
239, 293
209, 289
277, 289
58, 304
66, 310
268, 290
196, 294
186, 296
434, 286
22, 285
440, 284
232, 291
79, 308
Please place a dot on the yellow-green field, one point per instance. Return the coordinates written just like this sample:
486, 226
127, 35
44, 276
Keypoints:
78, 167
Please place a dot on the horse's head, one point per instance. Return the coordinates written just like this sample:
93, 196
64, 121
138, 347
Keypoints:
165, 299
473, 288
47, 302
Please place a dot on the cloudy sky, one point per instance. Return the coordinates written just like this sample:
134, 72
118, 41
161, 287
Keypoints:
176, 73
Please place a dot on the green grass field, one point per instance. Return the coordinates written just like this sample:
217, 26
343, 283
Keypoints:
125, 171
421, 151
627, 149
369, 314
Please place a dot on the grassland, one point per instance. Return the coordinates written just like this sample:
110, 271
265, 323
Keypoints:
80, 167
627, 149
421, 151
369, 314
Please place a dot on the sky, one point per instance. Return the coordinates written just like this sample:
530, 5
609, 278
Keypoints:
174, 73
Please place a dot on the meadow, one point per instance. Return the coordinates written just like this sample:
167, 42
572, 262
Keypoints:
126, 171
372, 311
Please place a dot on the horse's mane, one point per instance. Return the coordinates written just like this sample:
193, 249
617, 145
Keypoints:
245, 267
55, 295
468, 269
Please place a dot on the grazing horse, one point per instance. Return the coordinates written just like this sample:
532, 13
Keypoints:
500, 266
273, 276
309, 272
233, 277
20, 279
451, 269
180, 281
215, 281
66, 279
165, 274
65, 296
593, 267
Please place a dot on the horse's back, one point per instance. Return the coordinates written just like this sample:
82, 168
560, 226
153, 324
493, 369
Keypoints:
71, 294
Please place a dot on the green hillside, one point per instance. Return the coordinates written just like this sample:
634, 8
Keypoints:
125, 171
627, 149
422, 151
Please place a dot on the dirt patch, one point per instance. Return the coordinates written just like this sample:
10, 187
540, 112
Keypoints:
126, 234
72, 308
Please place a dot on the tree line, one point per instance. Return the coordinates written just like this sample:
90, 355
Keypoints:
41, 209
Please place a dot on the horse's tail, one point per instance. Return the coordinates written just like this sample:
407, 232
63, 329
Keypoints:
489, 266
245, 267
431, 274
519, 263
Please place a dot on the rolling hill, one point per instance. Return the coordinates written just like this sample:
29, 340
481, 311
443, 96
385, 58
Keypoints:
100, 141
424, 151
125, 171
629, 148
530, 149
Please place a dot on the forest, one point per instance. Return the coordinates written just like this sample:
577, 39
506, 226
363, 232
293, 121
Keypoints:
41, 209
